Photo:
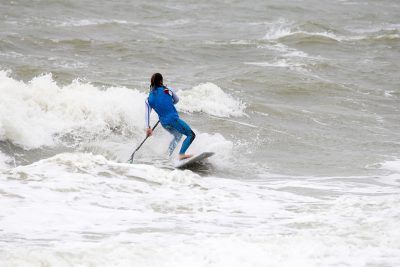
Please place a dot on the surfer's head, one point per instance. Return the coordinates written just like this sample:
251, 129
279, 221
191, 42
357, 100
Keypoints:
156, 81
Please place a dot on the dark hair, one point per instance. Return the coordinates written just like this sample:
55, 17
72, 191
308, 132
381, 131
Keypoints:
156, 80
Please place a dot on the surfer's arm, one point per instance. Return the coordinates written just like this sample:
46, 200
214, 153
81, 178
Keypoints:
147, 115
175, 98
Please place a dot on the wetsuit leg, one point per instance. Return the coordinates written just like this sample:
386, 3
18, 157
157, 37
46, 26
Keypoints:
177, 137
185, 129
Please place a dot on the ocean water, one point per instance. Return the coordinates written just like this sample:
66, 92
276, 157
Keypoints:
300, 101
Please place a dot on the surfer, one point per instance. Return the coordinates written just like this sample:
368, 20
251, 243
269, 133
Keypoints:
162, 99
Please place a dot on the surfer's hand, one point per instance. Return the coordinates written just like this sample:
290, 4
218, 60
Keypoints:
149, 132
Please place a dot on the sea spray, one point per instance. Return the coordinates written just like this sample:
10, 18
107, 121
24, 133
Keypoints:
211, 99
41, 112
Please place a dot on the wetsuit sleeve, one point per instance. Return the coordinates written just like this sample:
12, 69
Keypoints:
148, 111
175, 98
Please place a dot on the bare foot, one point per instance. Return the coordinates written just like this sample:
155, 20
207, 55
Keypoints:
184, 156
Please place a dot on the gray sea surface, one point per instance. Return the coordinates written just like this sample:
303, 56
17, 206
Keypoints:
300, 100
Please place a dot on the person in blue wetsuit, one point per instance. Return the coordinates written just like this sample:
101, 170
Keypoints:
162, 99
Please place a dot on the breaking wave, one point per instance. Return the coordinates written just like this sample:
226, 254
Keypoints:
42, 113
210, 99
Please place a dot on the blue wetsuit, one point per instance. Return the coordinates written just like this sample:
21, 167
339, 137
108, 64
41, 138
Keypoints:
162, 100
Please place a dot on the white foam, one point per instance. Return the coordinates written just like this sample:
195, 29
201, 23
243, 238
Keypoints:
214, 143
40, 112
210, 99
277, 29
90, 22
392, 165
242, 42
282, 29
375, 29
287, 33
282, 63
289, 58
81, 209
156, 148
33, 114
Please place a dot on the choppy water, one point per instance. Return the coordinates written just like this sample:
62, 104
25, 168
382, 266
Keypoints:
300, 100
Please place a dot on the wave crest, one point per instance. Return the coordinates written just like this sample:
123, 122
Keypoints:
210, 99
40, 112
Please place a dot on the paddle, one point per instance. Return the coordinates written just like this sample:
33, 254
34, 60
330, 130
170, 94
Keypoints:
131, 158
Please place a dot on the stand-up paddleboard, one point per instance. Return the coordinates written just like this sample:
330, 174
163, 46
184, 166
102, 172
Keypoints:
181, 164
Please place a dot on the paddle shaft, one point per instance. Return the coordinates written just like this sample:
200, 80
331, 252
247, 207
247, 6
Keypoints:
131, 158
